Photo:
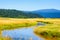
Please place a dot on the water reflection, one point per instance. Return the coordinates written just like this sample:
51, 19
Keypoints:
22, 34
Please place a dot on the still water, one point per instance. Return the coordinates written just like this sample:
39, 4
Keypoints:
22, 33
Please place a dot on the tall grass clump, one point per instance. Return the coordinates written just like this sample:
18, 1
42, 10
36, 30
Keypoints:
14, 23
49, 31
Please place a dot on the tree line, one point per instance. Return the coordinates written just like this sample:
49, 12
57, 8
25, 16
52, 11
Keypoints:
12, 13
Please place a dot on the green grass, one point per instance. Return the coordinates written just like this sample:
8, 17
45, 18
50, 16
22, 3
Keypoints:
5, 38
14, 23
11, 23
14, 26
49, 31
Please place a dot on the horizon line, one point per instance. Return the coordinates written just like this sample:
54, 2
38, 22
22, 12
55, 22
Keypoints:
27, 10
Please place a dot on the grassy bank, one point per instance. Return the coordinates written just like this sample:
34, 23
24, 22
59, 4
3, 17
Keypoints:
12, 23
49, 31
5, 38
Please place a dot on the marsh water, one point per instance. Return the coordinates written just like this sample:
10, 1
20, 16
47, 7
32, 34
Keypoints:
22, 33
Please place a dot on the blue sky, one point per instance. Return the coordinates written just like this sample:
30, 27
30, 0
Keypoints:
29, 5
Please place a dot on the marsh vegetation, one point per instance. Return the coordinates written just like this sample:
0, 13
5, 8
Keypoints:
49, 31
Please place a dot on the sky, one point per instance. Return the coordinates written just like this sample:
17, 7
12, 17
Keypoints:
30, 5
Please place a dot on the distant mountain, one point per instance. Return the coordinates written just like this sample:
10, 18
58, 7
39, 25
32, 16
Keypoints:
45, 13
48, 13
11, 13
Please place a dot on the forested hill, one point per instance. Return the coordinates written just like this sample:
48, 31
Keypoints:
18, 14
48, 13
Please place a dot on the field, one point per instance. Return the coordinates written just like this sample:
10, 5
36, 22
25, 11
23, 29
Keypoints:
14, 23
50, 31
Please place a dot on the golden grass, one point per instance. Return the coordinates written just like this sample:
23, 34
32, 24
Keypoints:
5, 38
12, 23
49, 31
6, 22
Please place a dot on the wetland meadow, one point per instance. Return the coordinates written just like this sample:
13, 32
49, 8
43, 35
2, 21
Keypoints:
15, 28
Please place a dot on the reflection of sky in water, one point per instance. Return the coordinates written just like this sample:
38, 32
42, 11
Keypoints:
23, 33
